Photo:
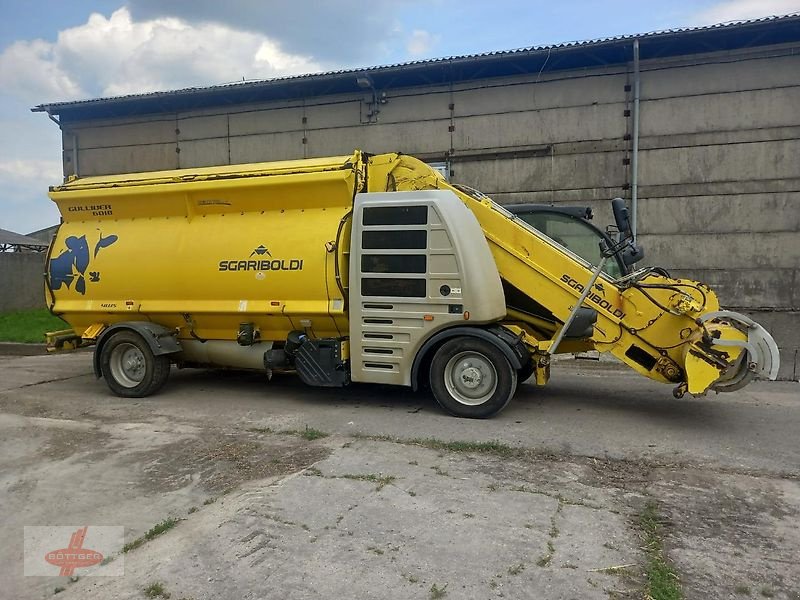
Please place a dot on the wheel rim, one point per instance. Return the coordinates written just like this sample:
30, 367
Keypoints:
470, 378
127, 364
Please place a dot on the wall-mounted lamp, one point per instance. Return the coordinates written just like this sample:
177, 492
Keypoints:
365, 82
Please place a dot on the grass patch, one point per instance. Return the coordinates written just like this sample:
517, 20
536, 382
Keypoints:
516, 569
153, 532
491, 447
156, 590
28, 326
309, 433
662, 580
438, 592
381, 480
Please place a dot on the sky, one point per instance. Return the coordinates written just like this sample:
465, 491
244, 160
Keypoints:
58, 50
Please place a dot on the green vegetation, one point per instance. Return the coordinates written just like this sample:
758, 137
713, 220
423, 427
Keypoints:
309, 433
153, 532
662, 580
381, 480
438, 592
156, 590
28, 326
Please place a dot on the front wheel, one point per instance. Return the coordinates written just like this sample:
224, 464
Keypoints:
471, 377
130, 368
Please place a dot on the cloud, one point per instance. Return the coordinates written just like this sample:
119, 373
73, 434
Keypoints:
737, 10
340, 34
25, 205
421, 43
117, 55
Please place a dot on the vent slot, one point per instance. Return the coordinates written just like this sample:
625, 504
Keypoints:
379, 306
378, 351
395, 215
405, 239
393, 286
378, 321
377, 365
393, 263
379, 336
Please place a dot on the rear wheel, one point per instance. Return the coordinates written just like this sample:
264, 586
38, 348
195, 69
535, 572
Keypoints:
471, 377
130, 368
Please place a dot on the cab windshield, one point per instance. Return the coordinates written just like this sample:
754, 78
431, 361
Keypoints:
575, 235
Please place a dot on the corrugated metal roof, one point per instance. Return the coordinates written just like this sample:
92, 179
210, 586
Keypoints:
600, 51
17, 239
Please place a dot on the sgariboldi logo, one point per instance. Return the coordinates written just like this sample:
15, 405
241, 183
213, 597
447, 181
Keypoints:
262, 264
74, 555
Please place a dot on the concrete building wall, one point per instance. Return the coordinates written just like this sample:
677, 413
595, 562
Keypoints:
21, 280
719, 177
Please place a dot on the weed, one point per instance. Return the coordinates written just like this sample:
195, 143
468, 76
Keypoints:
767, 592
305, 527
413, 462
208, 501
312, 471
309, 433
194, 509
469, 516
492, 487
450, 511
260, 430
153, 532
440, 471
381, 480
662, 580
411, 578
438, 592
544, 560
58, 590
412, 493
490, 447
156, 590
376, 550
528, 525
516, 569
569, 566
742, 590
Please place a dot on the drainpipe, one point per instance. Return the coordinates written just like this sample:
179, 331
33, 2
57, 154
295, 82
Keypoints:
635, 157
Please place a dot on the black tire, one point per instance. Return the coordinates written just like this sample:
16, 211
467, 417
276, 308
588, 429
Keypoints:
472, 378
130, 368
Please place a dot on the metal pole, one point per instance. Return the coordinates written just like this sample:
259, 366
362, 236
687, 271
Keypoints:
635, 157
578, 304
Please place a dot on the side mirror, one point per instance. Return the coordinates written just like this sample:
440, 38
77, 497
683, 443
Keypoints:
621, 218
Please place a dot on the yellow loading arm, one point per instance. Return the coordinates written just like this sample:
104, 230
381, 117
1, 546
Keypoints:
670, 330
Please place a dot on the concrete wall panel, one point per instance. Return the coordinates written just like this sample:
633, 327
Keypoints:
778, 250
540, 127
134, 134
721, 112
203, 153
266, 147
128, 159
199, 128
21, 281
726, 74
564, 91
732, 162
721, 214
266, 121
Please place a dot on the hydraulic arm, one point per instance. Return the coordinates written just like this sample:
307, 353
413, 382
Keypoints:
671, 330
